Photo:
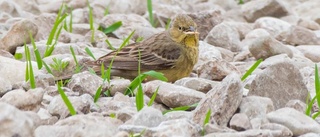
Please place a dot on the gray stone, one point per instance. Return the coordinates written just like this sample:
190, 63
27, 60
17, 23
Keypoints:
118, 85
58, 108
297, 105
172, 95
15, 122
223, 102
273, 126
18, 35
80, 125
240, 122
250, 133
296, 121
178, 115
310, 51
85, 82
267, 46
256, 107
148, 117
280, 82
224, 35
215, 69
253, 10
199, 84
5, 86
272, 25
297, 35
28, 101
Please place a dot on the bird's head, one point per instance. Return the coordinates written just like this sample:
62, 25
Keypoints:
181, 27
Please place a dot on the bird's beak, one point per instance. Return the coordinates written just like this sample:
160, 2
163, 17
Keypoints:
191, 30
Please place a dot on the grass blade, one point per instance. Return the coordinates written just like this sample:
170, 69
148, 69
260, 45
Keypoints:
154, 95
66, 101
157, 75
88, 51
252, 68
78, 68
206, 121
182, 108
139, 98
97, 95
111, 28
317, 84
151, 19
27, 65
30, 69
36, 52
47, 67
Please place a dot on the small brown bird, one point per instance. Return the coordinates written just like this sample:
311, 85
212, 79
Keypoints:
173, 52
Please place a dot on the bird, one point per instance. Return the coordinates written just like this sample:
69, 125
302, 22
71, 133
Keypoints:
173, 52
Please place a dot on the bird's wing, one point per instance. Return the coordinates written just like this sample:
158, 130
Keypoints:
156, 53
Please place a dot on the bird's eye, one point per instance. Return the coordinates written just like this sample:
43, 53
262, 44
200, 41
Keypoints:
180, 28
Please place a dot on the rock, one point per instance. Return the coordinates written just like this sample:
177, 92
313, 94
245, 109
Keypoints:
144, 116
249, 133
116, 103
130, 22
253, 10
240, 122
178, 115
199, 84
296, 121
280, 82
172, 95
274, 60
18, 35
28, 6
214, 128
207, 52
297, 35
310, 135
297, 105
45, 23
224, 35
28, 101
310, 51
85, 82
216, 69
5, 86
58, 108
165, 11
223, 99
80, 125
257, 122
277, 127
15, 122
205, 21
127, 7
6, 53
42, 81
272, 25
256, 107
125, 114
118, 85
177, 127
265, 47
227, 55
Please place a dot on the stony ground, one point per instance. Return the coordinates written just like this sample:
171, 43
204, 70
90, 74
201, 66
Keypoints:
269, 103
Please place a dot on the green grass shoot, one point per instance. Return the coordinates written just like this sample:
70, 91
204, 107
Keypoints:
47, 67
58, 64
29, 70
78, 67
139, 95
206, 120
66, 101
154, 95
110, 45
182, 108
139, 39
150, 12
91, 22
135, 83
168, 24
111, 28
252, 68
36, 52
88, 51
98, 93
18, 56
55, 32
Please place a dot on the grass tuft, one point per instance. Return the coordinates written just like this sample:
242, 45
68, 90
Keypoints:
252, 68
